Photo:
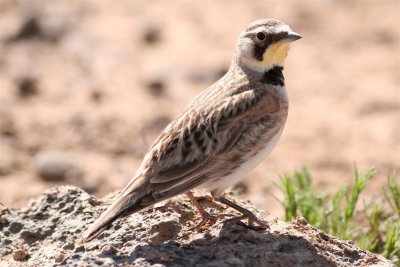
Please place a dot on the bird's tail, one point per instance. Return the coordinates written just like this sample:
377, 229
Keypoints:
125, 203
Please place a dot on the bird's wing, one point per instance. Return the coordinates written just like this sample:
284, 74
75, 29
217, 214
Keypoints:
182, 157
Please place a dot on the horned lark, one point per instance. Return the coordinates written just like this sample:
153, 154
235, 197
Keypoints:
225, 132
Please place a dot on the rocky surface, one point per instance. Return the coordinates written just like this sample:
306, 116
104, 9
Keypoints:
47, 233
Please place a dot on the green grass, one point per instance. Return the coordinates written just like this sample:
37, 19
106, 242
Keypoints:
375, 227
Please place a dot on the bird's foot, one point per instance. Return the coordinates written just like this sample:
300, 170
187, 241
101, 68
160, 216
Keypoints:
252, 221
208, 218
246, 214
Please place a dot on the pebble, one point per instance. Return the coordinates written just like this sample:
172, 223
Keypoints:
57, 166
20, 255
151, 34
27, 87
156, 87
7, 124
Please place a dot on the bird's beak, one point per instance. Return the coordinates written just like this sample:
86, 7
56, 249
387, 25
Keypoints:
291, 37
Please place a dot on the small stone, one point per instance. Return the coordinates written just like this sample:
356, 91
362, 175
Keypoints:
109, 249
80, 248
156, 87
60, 257
30, 29
27, 87
43, 28
15, 227
7, 124
324, 236
68, 246
301, 221
96, 95
20, 255
151, 34
57, 166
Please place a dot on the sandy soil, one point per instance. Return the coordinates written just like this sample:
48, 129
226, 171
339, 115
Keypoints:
96, 82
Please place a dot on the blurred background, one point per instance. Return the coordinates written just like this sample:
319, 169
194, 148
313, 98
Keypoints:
86, 86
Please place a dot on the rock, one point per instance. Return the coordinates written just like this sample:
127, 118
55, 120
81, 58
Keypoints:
20, 255
161, 236
27, 87
96, 96
30, 29
155, 84
151, 34
57, 166
43, 27
7, 124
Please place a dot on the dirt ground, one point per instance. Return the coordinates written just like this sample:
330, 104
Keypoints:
94, 82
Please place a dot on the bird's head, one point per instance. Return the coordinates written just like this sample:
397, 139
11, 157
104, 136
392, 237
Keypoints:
264, 44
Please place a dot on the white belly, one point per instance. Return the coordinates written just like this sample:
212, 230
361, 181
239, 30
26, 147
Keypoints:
221, 184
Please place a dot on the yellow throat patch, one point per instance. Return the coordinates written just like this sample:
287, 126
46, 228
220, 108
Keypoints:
275, 55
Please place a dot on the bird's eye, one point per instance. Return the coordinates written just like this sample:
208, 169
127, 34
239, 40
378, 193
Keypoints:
260, 36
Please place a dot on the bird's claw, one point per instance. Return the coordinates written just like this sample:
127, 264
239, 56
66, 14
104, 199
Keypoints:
208, 218
252, 221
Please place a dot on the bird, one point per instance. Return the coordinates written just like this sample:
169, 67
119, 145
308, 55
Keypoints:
221, 135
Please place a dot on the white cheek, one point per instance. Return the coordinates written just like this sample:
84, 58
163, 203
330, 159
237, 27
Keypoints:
246, 50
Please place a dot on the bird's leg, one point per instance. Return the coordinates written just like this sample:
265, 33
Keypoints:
206, 217
246, 214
